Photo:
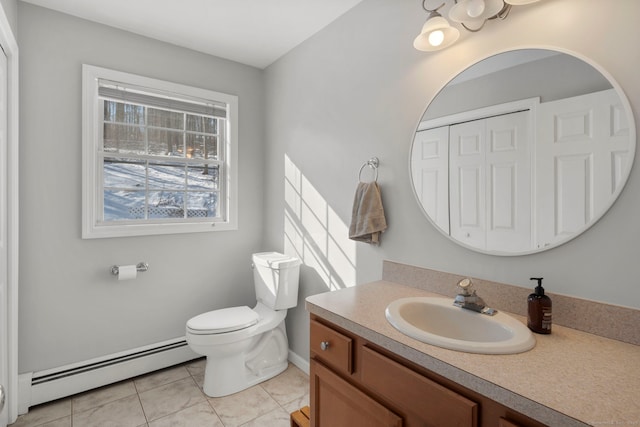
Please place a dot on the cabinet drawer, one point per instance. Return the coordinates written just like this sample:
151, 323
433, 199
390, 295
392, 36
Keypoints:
332, 347
414, 393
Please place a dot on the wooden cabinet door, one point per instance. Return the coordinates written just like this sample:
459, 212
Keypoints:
422, 401
506, 423
336, 403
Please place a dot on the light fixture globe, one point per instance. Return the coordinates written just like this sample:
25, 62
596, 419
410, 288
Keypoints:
475, 8
436, 34
519, 2
460, 12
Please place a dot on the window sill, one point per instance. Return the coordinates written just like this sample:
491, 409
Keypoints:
130, 230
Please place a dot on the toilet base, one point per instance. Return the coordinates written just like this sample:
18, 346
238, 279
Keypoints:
219, 384
267, 357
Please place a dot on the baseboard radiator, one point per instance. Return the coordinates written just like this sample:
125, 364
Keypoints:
44, 386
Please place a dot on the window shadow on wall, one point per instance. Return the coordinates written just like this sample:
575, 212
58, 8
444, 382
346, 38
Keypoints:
314, 232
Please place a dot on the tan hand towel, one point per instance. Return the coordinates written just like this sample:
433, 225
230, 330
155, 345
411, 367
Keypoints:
367, 216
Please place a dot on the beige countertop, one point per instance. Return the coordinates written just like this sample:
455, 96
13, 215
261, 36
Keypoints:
570, 378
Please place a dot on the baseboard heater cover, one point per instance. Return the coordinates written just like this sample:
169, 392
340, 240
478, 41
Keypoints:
64, 381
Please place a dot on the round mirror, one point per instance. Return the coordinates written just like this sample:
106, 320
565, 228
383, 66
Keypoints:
522, 152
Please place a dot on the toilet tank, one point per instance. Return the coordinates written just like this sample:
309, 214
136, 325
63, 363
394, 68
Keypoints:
275, 277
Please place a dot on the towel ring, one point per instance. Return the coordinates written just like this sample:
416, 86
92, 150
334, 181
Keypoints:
373, 164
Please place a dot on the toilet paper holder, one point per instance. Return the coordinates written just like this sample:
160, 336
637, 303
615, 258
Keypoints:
141, 266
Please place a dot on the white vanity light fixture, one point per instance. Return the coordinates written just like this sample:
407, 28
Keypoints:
438, 34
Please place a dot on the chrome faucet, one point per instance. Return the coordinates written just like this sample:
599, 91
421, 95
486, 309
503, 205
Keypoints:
468, 299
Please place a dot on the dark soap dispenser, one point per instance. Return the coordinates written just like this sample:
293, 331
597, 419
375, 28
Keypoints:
539, 310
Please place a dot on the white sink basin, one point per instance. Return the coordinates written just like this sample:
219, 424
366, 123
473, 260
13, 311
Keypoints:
438, 322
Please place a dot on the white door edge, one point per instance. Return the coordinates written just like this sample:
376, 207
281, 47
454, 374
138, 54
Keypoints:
10, 47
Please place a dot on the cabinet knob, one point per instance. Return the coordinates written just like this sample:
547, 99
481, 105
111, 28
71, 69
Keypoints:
324, 345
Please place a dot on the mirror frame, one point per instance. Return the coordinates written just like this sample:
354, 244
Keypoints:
599, 215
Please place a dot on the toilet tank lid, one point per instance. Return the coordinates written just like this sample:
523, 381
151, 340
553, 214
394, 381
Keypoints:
275, 260
224, 320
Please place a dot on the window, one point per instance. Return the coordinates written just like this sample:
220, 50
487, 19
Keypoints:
158, 157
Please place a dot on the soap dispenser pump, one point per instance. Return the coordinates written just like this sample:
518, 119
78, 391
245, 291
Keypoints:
539, 310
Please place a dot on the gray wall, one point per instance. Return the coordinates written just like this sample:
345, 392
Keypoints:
358, 89
550, 79
71, 308
10, 8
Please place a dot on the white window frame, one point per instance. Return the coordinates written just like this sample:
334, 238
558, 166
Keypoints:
92, 168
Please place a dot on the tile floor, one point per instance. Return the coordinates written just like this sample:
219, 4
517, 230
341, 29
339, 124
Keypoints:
173, 397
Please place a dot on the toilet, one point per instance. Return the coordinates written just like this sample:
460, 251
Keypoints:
245, 346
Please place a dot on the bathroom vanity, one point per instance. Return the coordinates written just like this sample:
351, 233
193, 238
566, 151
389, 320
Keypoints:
366, 373
357, 383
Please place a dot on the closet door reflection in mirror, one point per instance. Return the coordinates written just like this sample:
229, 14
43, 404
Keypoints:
522, 152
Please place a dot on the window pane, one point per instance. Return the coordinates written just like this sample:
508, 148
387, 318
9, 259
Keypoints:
123, 139
202, 204
166, 143
123, 113
124, 174
202, 124
123, 205
202, 146
203, 177
166, 204
166, 176
162, 160
165, 119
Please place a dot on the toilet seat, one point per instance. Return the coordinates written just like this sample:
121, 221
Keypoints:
223, 320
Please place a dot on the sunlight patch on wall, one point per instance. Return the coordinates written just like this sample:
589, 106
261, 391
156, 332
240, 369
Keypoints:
315, 233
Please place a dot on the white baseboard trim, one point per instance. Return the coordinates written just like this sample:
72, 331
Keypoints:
24, 392
35, 388
300, 362
44, 386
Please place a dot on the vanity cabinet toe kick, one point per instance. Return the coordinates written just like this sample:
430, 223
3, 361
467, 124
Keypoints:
355, 383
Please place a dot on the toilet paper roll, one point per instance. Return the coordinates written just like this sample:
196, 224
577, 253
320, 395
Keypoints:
127, 272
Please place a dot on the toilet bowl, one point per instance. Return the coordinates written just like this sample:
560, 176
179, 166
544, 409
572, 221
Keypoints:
245, 346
